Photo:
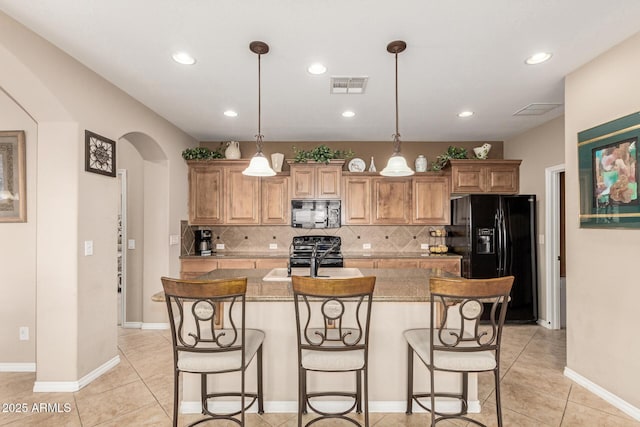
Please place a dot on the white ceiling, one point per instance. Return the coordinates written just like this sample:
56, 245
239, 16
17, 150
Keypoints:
461, 55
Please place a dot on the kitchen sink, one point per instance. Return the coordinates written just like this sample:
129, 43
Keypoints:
280, 274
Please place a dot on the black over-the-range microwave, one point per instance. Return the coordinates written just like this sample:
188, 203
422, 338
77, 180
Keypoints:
315, 213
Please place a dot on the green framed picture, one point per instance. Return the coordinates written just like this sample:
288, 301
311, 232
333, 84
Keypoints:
609, 174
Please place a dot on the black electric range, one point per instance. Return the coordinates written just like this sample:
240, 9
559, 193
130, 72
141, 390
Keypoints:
302, 247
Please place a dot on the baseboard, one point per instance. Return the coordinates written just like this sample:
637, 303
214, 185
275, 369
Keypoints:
614, 400
132, 325
291, 406
157, 326
71, 386
17, 367
544, 323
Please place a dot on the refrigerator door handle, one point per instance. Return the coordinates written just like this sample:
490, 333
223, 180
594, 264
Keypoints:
498, 229
503, 246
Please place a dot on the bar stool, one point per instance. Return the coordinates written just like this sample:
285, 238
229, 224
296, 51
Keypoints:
332, 324
456, 342
201, 347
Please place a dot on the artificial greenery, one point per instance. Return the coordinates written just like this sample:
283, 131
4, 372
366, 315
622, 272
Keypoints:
321, 154
203, 153
451, 153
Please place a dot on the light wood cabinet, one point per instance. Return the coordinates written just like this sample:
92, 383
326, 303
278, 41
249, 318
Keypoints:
276, 208
485, 176
219, 194
263, 263
391, 200
449, 264
205, 193
236, 263
194, 267
316, 180
242, 196
431, 200
357, 200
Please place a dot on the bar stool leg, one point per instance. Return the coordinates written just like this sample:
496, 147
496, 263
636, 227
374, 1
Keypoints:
359, 392
260, 394
409, 380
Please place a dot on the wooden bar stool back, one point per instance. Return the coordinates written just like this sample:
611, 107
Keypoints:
201, 347
332, 323
457, 341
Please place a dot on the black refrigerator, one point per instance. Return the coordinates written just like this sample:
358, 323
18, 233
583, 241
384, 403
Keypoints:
496, 236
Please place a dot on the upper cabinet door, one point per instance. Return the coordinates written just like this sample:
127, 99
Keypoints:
485, 176
205, 194
275, 204
357, 200
242, 201
316, 180
391, 200
303, 179
431, 200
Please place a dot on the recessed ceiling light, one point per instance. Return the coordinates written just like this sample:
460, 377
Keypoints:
348, 113
538, 58
183, 58
317, 68
464, 114
230, 113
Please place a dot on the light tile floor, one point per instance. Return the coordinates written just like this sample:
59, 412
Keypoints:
138, 392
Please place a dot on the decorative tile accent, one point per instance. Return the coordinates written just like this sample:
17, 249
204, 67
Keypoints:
257, 238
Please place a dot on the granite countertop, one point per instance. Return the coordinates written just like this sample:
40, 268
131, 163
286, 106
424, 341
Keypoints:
346, 255
392, 285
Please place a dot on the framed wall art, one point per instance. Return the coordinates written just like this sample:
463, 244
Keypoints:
99, 154
608, 170
13, 181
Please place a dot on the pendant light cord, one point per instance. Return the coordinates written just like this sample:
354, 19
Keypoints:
259, 136
396, 136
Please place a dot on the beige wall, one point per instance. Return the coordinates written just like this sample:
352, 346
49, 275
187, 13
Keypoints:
540, 148
18, 242
76, 294
602, 285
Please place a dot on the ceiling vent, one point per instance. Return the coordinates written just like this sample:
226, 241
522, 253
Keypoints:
536, 109
348, 85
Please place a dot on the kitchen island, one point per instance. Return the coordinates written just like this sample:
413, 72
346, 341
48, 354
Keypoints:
400, 303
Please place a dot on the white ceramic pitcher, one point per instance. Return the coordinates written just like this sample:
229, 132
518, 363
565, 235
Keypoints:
233, 150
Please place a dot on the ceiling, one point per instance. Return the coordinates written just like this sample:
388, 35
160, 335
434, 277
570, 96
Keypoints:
461, 55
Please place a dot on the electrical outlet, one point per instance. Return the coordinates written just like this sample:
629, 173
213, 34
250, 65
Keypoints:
88, 247
131, 244
219, 245
273, 246
174, 239
366, 246
424, 246
24, 333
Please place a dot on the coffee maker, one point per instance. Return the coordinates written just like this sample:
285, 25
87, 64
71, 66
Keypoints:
203, 242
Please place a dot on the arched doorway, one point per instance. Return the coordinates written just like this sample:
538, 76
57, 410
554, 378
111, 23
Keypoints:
144, 211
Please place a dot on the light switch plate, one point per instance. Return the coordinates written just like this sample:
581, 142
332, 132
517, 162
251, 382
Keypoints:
424, 246
273, 246
366, 246
131, 244
219, 245
541, 239
88, 247
24, 333
174, 239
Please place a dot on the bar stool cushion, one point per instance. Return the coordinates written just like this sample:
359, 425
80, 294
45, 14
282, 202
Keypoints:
333, 361
207, 362
419, 340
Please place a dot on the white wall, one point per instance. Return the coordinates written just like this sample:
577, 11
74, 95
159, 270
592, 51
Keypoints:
18, 243
603, 288
539, 148
76, 294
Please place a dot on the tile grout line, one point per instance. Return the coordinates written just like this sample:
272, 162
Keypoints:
566, 404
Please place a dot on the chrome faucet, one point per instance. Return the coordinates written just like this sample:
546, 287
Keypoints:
316, 259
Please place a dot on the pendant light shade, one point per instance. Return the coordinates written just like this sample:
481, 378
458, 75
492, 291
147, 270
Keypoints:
259, 165
397, 164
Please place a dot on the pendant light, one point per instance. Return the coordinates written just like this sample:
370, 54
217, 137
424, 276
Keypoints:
397, 165
259, 165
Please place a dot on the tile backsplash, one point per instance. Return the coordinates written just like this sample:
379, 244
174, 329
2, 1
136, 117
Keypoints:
387, 238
